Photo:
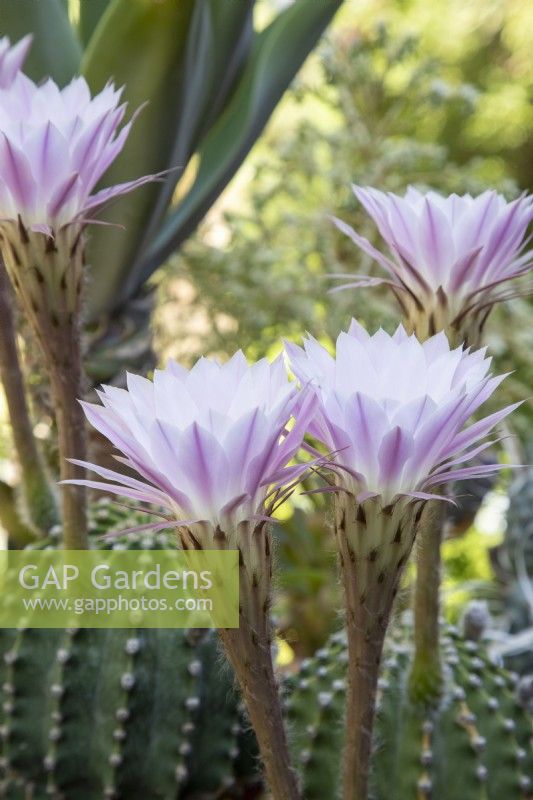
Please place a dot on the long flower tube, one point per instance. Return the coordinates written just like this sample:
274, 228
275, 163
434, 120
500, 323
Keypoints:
394, 410
212, 449
55, 145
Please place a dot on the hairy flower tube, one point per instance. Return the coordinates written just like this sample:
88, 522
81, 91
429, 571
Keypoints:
212, 449
394, 412
55, 145
449, 256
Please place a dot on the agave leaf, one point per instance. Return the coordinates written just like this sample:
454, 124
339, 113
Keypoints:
55, 51
139, 44
91, 11
276, 56
217, 46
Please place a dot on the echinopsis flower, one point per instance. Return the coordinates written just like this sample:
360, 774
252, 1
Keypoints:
55, 145
212, 449
394, 409
449, 256
394, 412
210, 445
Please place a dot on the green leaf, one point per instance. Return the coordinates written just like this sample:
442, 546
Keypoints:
217, 46
91, 11
139, 44
278, 53
55, 51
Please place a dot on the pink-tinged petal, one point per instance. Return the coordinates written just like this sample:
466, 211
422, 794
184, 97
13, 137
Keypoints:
357, 282
207, 466
105, 422
156, 478
403, 229
414, 413
264, 462
435, 241
462, 269
246, 436
286, 476
141, 392
293, 440
468, 455
477, 220
395, 449
148, 526
364, 245
119, 477
478, 430
66, 192
231, 507
144, 496
427, 496
504, 237
105, 195
48, 150
467, 473
12, 59
90, 137
367, 423
17, 174
434, 435
370, 202
357, 331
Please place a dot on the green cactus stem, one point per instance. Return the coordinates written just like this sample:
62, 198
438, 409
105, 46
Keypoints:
19, 532
124, 714
38, 500
475, 744
426, 675
47, 272
374, 544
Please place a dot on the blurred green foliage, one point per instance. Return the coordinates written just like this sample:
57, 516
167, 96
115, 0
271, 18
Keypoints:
371, 109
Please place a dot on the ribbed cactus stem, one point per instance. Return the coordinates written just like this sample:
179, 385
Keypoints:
426, 673
374, 544
39, 502
47, 273
249, 650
